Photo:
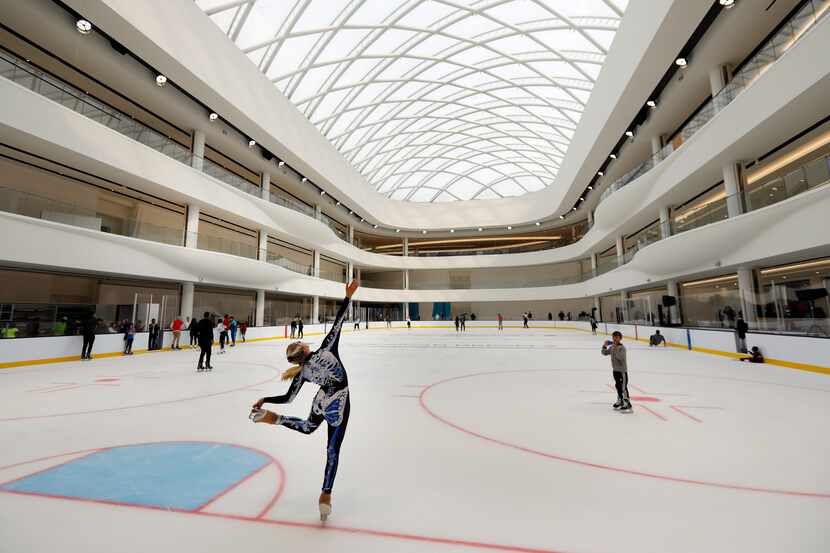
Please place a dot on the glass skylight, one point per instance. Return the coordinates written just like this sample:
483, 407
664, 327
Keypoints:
434, 100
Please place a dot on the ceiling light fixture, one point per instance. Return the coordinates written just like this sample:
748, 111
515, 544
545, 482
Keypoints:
374, 226
590, 187
652, 104
600, 173
397, 230
251, 143
480, 229
161, 80
538, 223
338, 203
727, 3
84, 27
452, 230
322, 192
561, 216
423, 232
629, 134
281, 163
305, 179
509, 227
681, 62
362, 220
213, 116
613, 156
351, 212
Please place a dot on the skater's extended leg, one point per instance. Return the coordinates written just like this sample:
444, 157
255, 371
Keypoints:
336, 435
618, 383
306, 426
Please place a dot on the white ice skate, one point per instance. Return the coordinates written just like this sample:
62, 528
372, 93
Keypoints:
264, 415
325, 508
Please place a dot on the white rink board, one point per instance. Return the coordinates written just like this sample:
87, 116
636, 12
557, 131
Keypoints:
482, 441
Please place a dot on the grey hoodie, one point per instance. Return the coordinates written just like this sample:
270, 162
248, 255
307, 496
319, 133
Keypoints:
617, 353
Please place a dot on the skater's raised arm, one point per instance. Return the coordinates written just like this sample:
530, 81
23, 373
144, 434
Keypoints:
332, 339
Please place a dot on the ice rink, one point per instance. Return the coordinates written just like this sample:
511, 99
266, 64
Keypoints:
482, 441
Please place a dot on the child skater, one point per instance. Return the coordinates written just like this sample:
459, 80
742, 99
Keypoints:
619, 366
331, 404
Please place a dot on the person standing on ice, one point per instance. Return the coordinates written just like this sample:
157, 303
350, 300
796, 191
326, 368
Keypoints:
619, 366
331, 404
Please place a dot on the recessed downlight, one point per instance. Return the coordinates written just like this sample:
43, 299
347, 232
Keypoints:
652, 104
509, 227
681, 62
538, 223
305, 179
397, 230
452, 230
629, 134
161, 80
613, 156
83, 26
600, 173
213, 116
251, 143
281, 163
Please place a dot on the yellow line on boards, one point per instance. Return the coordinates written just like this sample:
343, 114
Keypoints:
777, 362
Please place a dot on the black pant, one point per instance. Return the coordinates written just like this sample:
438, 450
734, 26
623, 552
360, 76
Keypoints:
206, 347
300, 332
621, 383
223, 337
194, 338
86, 350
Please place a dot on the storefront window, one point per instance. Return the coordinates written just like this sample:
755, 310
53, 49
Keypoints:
219, 302
280, 309
711, 302
794, 298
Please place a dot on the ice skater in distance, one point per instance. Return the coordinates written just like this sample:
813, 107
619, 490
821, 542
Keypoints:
331, 404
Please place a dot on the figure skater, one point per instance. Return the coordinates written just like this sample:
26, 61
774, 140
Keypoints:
619, 367
331, 404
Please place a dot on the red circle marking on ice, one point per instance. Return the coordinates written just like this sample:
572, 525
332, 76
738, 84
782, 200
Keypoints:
589, 464
107, 379
645, 398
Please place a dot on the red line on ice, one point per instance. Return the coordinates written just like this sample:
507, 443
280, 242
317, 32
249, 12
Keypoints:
682, 412
589, 464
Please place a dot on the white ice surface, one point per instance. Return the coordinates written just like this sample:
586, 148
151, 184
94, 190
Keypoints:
513, 443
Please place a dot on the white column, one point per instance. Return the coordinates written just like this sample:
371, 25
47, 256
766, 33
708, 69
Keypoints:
318, 212
192, 227
590, 218
263, 245
316, 269
198, 149
746, 289
315, 310
732, 187
665, 227
719, 76
594, 264
186, 308
674, 311
265, 181
656, 144
620, 250
596, 308
351, 234
405, 246
259, 317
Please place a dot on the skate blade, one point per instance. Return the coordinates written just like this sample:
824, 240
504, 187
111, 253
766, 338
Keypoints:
325, 511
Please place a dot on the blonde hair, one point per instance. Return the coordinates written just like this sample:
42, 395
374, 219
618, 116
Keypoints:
290, 373
295, 354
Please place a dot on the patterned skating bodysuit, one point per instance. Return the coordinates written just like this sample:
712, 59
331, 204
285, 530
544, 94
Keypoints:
324, 368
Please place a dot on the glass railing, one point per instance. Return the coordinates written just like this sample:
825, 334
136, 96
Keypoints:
711, 212
605, 265
284, 262
292, 204
332, 274
48, 209
810, 175
223, 245
220, 173
772, 50
336, 227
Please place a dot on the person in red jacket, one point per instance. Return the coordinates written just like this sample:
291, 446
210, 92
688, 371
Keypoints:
176, 327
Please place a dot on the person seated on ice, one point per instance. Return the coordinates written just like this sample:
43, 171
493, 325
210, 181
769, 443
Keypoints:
656, 339
754, 356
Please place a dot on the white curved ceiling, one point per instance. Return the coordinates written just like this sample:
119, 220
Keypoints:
434, 100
